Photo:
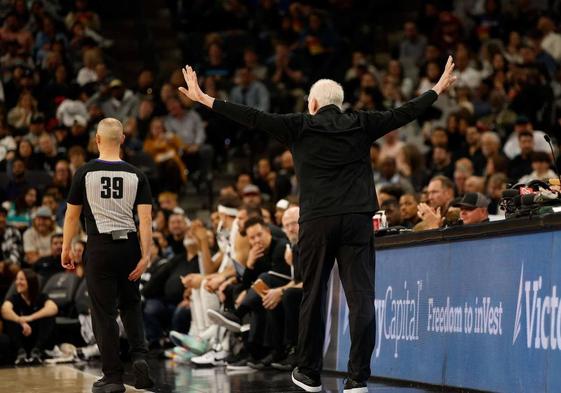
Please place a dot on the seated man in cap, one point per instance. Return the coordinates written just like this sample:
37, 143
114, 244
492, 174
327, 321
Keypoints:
37, 239
473, 208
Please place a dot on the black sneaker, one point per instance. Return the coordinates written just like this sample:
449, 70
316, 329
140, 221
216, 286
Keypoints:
287, 363
310, 383
262, 363
352, 386
227, 319
21, 359
142, 378
35, 357
239, 362
104, 386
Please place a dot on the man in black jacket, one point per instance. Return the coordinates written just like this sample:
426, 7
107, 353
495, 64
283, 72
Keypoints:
331, 152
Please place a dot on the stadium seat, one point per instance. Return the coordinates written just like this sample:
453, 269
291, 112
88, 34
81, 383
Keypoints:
82, 299
61, 289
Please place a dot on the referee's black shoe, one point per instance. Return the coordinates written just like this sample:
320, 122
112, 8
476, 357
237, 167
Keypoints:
142, 375
306, 381
104, 386
352, 386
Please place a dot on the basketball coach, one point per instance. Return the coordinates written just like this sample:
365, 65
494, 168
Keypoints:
107, 191
337, 201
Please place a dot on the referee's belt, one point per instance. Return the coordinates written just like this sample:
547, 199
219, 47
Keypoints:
122, 234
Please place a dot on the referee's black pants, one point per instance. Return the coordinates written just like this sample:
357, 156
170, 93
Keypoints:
108, 264
349, 239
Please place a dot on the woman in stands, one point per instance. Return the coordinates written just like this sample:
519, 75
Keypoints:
21, 210
164, 148
29, 318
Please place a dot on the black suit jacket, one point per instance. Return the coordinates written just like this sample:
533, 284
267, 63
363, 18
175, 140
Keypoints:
331, 150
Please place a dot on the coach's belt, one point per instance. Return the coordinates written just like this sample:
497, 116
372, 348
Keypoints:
122, 234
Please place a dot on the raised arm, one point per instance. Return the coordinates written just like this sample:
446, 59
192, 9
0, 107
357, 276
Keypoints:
281, 127
380, 123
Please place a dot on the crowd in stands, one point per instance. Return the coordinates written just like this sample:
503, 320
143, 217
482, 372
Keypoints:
229, 290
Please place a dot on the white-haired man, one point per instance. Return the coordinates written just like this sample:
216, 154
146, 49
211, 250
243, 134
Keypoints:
331, 151
108, 191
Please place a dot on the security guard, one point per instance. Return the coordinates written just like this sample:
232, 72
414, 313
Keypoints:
107, 190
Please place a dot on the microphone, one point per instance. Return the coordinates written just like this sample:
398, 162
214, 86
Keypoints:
548, 140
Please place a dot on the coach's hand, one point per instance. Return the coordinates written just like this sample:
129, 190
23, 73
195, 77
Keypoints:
193, 90
139, 269
446, 79
67, 259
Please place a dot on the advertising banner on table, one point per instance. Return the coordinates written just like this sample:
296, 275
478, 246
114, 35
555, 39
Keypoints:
481, 314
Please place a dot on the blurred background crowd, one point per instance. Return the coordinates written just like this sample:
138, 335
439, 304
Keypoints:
65, 65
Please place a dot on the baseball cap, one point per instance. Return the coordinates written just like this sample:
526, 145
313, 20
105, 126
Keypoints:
472, 200
116, 83
43, 211
282, 204
251, 189
37, 118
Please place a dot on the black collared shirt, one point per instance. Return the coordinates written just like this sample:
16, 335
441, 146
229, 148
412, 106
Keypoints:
331, 150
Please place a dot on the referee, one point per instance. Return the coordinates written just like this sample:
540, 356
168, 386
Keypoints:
107, 190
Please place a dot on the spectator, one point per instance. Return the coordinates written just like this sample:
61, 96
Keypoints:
29, 316
393, 214
512, 146
251, 196
391, 145
18, 182
461, 174
20, 116
12, 252
442, 162
164, 149
266, 254
473, 208
522, 164
249, 91
62, 177
37, 239
541, 163
473, 151
77, 157
20, 211
49, 265
121, 103
177, 226
475, 184
466, 74
36, 129
412, 47
395, 75
551, 41
26, 153
168, 200
13, 31
495, 187
190, 129
48, 155
389, 176
440, 196
408, 210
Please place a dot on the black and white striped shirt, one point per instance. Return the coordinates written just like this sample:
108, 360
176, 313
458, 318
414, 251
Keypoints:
109, 192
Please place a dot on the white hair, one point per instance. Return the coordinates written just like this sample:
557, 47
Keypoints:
492, 135
327, 92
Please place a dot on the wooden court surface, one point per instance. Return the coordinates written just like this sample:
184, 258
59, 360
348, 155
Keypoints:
48, 379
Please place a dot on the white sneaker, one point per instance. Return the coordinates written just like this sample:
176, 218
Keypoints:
211, 358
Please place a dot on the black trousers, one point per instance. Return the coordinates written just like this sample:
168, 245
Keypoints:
108, 264
41, 337
253, 303
349, 239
